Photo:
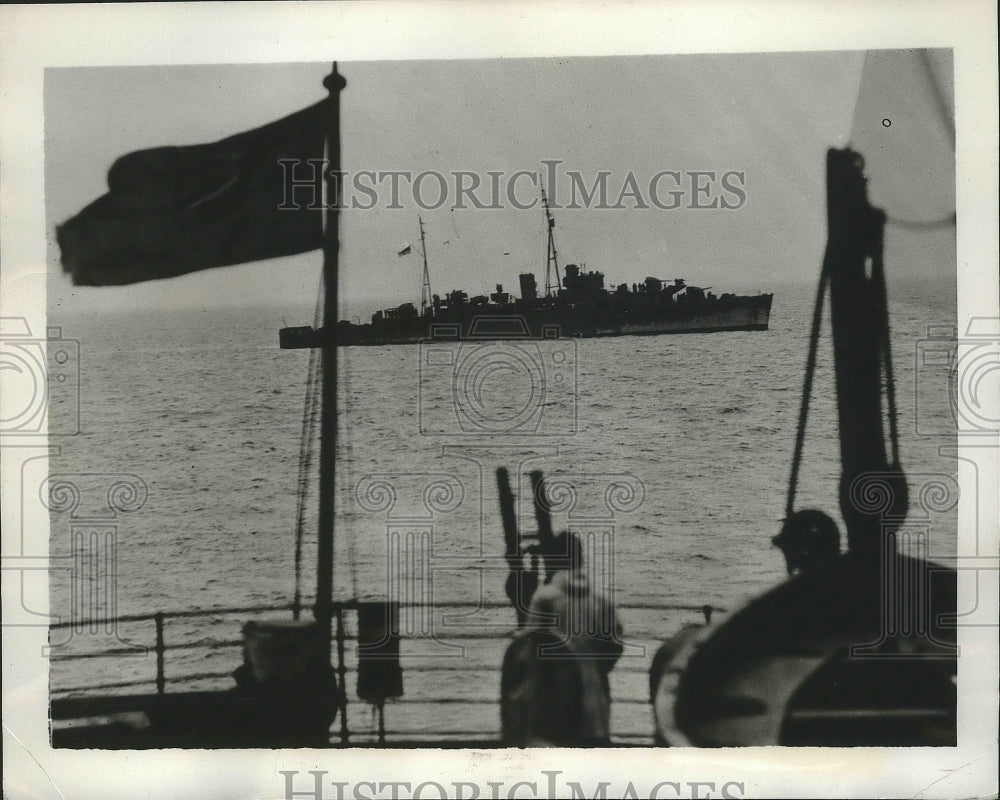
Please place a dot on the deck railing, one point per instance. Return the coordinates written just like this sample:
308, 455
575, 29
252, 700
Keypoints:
445, 686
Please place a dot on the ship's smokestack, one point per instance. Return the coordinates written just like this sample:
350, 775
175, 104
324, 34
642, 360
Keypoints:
529, 289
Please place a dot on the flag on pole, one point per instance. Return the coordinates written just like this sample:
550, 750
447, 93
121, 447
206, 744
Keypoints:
175, 210
405, 251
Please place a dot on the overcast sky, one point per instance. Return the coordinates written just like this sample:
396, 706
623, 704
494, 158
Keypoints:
768, 116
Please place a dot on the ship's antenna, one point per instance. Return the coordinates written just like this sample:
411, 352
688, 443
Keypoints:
425, 291
551, 257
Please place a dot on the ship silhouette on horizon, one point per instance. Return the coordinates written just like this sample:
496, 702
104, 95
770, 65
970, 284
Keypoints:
575, 304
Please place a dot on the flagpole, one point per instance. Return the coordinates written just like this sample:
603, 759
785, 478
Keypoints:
323, 609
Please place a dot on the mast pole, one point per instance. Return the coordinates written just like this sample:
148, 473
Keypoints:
860, 321
548, 247
551, 258
425, 291
323, 609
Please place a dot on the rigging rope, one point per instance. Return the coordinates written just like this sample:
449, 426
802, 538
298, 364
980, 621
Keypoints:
344, 440
800, 434
309, 417
878, 274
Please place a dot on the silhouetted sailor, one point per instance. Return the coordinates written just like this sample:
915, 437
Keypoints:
555, 677
807, 538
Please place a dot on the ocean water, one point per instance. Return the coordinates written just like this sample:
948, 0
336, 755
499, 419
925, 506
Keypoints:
670, 454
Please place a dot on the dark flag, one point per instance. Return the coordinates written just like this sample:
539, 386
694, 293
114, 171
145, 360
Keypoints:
174, 210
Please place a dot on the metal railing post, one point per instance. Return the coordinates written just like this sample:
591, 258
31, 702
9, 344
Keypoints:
160, 649
342, 673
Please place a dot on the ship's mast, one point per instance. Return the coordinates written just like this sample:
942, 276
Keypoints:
551, 258
425, 291
323, 609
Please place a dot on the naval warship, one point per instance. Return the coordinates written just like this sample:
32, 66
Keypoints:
576, 304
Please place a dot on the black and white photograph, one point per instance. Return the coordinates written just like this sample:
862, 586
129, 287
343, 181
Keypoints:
351, 412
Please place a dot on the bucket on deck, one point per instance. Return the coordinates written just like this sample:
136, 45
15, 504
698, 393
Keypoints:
380, 675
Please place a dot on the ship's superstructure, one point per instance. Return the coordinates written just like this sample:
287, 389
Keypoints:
582, 307
575, 303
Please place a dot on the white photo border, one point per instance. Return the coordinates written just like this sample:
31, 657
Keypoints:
33, 38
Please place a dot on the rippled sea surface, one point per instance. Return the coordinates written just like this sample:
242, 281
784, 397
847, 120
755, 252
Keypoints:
672, 451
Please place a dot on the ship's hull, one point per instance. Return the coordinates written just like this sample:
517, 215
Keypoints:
694, 319
520, 320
